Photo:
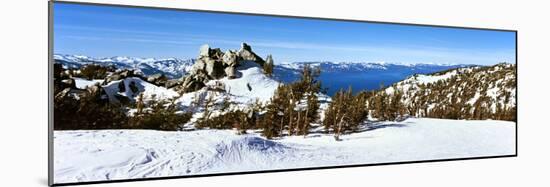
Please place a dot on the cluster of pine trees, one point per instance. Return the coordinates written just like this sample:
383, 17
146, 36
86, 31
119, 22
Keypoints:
292, 109
462, 96
227, 117
294, 106
386, 107
346, 112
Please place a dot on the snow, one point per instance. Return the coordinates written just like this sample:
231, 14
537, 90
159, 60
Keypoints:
426, 79
149, 90
123, 154
237, 89
171, 67
83, 83
262, 87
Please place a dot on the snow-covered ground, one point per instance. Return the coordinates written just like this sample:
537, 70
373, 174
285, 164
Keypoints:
92, 155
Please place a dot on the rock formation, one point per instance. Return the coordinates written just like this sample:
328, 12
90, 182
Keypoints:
214, 64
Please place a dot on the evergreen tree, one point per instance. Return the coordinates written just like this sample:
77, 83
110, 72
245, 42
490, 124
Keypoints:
268, 66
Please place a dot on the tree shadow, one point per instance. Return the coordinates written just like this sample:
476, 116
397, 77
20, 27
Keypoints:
379, 125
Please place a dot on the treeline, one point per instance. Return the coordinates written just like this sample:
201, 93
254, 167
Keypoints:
88, 112
294, 106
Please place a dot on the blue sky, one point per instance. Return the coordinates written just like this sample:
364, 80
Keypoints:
103, 31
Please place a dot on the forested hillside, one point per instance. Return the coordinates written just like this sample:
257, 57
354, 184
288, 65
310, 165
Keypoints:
463, 93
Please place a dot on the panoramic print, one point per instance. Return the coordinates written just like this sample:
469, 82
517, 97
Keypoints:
147, 93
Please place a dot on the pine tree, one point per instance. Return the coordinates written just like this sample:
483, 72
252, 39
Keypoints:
268, 66
205, 119
395, 109
269, 122
140, 104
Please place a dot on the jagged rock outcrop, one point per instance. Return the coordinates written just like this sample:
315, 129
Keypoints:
214, 64
230, 62
246, 54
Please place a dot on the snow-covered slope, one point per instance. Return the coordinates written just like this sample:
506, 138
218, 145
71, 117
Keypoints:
171, 67
492, 88
81, 155
251, 84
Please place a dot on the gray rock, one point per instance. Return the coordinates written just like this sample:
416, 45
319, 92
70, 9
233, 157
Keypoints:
193, 83
68, 83
214, 64
62, 94
214, 68
204, 51
246, 54
216, 54
114, 77
230, 72
230, 58
173, 83
126, 73
198, 67
158, 79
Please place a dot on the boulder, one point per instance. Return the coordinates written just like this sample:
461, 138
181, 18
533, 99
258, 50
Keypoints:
204, 51
68, 83
62, 94
126, 73
193, 83
96, 91
114, 77
198, 67
173, 83
230, 58
230, 72
157, 79
216, 54
214, 68
246, 54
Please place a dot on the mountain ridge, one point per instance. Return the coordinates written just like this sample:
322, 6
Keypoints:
177, 67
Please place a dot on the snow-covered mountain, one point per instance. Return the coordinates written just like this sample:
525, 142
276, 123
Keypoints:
285, 72
170, 67
327, 66
462, 93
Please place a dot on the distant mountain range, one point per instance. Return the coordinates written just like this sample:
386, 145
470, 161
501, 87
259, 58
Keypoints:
171, 67
361, 75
